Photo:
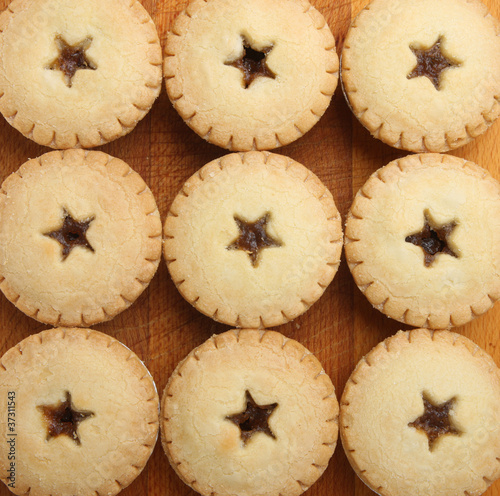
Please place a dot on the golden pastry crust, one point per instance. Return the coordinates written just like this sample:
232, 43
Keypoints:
210, 94
384, 395
412, 114
89, 285
287, 279
394, 204
100, 105
103, 377
206, 449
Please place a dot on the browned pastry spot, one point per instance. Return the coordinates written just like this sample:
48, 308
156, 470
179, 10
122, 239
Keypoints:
71, 233
433, 240
435, 421
431, 62
253, 63
254, 419
253, 237
71, 58
63, 419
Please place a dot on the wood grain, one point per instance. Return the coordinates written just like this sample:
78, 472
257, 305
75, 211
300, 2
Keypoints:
162, 328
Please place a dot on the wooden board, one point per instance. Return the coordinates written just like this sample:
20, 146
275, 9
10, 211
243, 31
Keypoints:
162, 328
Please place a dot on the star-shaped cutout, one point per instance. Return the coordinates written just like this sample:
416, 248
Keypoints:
253, 237
71, 58
72, 233
431, 62
255, 418
435, 421
433, 239
63, 419
252, 63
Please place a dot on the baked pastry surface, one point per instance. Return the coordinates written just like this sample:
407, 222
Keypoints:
214, 451
80, 237
215, 49
423, 76
422, 239
77, 74
419, 416
253, 239
83, 414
